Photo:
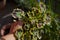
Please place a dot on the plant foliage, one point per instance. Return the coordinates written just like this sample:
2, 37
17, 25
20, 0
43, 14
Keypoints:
39, 24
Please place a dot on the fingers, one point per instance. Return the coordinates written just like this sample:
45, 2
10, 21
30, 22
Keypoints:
2, 32
4, 28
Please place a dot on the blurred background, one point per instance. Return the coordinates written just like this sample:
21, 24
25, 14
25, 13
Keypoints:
10, 5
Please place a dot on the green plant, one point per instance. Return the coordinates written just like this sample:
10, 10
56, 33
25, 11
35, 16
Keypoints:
39, 24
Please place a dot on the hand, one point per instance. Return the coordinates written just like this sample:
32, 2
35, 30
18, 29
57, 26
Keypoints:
2, 31
8, 37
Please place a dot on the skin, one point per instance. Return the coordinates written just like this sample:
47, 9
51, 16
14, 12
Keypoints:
8, 37
2, 31
13, 27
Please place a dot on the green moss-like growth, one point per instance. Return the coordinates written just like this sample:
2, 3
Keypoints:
39, 24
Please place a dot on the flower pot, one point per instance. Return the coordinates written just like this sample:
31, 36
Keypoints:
2, 4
